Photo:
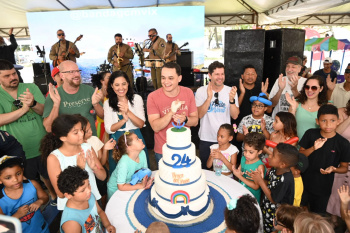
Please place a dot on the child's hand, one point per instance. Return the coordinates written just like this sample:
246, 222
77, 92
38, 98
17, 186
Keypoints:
149, 183
328, 170
216, 154
245, 130
110, 144
263, 124
91, 160
343, 192
23, 210
256, 176
81, 161
319, 143
34, 207
111, 229
237, 172
138, 231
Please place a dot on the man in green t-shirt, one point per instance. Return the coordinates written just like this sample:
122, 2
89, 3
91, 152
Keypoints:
72, 97
21, 107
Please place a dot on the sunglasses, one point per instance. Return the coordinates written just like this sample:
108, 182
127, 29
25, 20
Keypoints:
314, 88
61, 34
216, 101
276, 223
151, 36
18, 104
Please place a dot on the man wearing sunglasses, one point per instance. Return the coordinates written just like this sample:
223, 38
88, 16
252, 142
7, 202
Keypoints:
292, 83
156, 51
216, 104
327, 70
60, 49
72, 97
21, 109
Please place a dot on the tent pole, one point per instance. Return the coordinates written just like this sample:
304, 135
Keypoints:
312, 55
342, 61
320, 59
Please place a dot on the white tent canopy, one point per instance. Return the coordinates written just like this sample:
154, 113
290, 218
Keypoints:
218, 13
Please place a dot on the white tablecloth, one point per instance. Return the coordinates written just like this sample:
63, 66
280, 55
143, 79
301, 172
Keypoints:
115, 209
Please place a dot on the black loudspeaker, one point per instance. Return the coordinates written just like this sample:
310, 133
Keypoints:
187, 77
185, 60
243, 47
38, 69
280, 44
43, 83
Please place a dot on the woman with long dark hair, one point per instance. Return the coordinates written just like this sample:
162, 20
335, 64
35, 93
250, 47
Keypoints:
305, 106
124, 111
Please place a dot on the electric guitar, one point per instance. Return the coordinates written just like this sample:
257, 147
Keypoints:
65, 54
166, 58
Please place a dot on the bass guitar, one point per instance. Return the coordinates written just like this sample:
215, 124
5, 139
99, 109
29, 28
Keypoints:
166, 58
65, 54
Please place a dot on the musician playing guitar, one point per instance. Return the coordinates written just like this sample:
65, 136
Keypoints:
64, 49
171, 50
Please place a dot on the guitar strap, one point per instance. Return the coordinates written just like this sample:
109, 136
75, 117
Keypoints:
172, 48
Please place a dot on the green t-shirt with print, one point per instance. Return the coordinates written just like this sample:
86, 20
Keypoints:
78, 103
28, 129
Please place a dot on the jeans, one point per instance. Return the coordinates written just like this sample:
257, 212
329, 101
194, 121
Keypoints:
204, 152
158, 157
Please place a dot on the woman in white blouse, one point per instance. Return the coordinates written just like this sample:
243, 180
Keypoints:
123, 111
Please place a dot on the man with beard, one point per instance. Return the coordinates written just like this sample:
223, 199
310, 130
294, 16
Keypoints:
60, 49
171, 47
327, 70
125, 53
291, 83
156, 51
7, 51
72, 97
21, 107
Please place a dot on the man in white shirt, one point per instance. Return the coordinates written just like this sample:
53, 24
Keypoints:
291, 83
341, 91
216, 104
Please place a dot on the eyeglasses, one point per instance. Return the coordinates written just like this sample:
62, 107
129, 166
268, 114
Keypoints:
61, 34
275, 222
18, 104
258, 106
71, 71
314, 88
216, 101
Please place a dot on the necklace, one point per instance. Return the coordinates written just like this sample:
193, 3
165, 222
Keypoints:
308, 106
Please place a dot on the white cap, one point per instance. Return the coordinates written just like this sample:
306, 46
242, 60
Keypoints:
328, 60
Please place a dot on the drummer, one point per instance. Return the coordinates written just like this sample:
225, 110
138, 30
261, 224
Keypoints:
156, 51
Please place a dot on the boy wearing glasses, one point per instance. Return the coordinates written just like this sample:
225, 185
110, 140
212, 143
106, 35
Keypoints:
328, 153
62, 47
258, 121
216, 104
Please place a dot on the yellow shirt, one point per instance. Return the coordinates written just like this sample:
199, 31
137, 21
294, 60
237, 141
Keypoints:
299, 188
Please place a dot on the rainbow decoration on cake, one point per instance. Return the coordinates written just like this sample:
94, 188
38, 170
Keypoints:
180, 194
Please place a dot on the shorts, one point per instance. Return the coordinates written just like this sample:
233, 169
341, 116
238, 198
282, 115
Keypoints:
33, 167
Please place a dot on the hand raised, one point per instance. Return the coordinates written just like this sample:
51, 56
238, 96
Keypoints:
81, 160
281, 82
265, 86
237, 172
96, 96
232, 93
123, 107
330, 84
26, 98
343, 193
292, 102
245, 130
263, 124
110, 144
54, 95
319, 143
293, 82
10, 31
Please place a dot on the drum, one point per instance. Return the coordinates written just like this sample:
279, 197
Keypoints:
148, 64
159, 64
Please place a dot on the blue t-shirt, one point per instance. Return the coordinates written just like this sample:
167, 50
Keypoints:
126, 167
32, 222
88, 219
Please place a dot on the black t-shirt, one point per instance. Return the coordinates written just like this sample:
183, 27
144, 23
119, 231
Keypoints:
245, 108
334, 151
325, 75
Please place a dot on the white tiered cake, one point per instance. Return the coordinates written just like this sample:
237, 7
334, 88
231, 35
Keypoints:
180, 191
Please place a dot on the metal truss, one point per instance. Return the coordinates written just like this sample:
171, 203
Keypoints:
19, 32
226, 20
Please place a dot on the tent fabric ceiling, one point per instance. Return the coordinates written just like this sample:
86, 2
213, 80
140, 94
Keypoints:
225, 12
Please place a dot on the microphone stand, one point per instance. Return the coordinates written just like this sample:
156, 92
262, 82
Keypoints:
42, 53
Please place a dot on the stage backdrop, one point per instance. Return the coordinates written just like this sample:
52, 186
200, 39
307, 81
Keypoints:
98, 28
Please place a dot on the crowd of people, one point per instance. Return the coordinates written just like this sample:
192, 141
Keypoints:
289, 147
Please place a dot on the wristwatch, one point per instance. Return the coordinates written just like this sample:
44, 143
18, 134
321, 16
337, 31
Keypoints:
233, 102
33, 105
186, 120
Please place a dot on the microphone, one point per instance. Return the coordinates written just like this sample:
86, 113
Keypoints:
37, 47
